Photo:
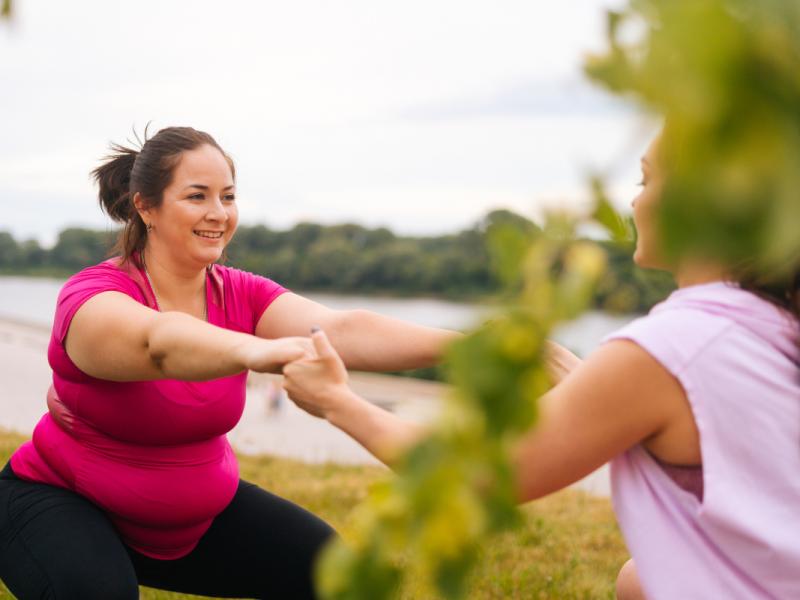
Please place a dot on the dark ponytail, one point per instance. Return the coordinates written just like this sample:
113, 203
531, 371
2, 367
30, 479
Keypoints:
113, 178
147, 171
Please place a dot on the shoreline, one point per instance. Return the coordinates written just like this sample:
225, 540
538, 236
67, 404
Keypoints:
488, 298
18, 322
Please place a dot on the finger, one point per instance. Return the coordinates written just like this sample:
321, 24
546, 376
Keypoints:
291, 351
322, 344
288, 369
310, 352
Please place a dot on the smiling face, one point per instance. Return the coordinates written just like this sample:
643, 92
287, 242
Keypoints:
198, 214
648, 252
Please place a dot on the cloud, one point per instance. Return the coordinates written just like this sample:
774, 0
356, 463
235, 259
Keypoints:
565, 98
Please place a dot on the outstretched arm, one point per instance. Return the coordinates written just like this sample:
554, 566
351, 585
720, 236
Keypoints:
619, 397
365, 340
114, 337
320, 387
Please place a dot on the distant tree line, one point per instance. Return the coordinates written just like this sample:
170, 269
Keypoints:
351, 258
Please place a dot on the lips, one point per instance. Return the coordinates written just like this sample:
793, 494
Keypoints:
209, 235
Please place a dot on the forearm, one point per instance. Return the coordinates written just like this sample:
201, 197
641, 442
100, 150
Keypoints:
182, 347
369, 341
382, 433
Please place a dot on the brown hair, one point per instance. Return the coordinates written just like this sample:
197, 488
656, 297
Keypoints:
782, 291
147, 171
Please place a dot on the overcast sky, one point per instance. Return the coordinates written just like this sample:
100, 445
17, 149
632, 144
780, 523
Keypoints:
417, 115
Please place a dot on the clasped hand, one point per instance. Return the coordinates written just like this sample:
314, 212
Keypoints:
317, 384
317, 380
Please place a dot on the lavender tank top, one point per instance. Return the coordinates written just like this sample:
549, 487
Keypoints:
737, 358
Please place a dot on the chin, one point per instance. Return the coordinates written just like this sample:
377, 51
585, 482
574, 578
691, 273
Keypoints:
637, 257
641, 260
206, 258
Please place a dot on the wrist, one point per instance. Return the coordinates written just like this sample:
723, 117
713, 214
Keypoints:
344, 406
247, 350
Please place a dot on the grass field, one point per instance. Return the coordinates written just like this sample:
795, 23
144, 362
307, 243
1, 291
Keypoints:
569, 548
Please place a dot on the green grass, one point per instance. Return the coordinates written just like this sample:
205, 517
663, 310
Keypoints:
569, 548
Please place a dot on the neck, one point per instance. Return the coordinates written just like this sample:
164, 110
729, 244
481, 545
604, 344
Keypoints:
697, 273
176, 284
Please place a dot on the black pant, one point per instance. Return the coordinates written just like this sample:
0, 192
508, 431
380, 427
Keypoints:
54, 543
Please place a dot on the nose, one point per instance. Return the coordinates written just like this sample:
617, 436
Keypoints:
216, 211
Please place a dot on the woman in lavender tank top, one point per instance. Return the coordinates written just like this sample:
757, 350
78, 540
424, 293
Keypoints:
696, 406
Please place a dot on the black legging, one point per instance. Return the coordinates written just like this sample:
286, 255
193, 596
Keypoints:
54, 543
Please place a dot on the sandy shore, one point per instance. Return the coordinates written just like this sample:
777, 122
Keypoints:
271, 424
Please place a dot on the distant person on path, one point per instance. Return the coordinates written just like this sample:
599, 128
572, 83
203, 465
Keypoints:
696, 405
129, 478
273, 397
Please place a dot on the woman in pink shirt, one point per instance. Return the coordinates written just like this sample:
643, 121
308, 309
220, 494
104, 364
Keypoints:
129, 478
696, 406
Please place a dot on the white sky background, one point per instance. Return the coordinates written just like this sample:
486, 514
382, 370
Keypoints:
417, 115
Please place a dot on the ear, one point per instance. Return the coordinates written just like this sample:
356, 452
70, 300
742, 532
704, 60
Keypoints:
141, 207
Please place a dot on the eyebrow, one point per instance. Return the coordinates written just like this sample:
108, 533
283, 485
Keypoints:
205, 187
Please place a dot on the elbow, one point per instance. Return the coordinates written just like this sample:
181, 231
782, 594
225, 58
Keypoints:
526, 485
523, 489
350, 320
338, 323
344, 326
160, 337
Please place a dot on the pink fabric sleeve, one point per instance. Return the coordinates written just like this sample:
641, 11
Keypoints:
83, 285
263, 293
250, 292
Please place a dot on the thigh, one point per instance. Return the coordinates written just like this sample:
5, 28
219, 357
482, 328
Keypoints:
260, 546
56, 544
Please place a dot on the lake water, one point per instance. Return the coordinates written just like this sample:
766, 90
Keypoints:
32, 300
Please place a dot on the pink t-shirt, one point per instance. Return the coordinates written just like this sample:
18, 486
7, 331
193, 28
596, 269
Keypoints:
152, 454
737, 358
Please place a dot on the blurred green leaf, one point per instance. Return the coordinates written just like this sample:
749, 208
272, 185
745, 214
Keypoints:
619, 228
726, 75
455, 489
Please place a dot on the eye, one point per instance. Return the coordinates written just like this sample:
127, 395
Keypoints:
229, 197
197, 196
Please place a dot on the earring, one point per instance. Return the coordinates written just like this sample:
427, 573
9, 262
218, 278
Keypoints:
149, 227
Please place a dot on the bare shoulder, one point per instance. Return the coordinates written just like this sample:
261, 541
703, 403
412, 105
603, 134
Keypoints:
633, 382
619, 397
619, 373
